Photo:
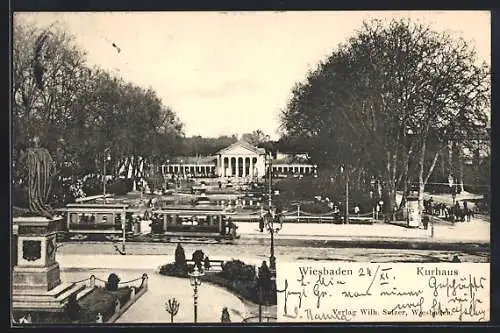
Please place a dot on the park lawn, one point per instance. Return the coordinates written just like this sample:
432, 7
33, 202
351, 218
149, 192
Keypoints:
103, 301
241, 288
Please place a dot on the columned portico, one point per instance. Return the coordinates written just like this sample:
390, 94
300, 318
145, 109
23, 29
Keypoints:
243, 160
240, 160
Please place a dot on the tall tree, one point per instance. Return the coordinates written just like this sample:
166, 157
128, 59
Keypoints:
382, 98
80, 113
256, 137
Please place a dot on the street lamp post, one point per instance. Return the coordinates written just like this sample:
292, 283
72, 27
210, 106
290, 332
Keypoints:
346, 215
453, 188
195, 283
106, 158
124, 231
270, 217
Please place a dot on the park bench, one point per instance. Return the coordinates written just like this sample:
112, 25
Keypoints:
215, 265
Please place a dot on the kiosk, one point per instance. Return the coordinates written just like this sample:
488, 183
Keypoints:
414, 215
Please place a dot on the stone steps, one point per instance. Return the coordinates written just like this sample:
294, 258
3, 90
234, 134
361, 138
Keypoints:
59, 289
36, 306
84, 292
73, 290
54, 300
54, 292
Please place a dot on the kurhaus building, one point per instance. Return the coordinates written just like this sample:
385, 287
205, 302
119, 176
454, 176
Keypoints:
240, 160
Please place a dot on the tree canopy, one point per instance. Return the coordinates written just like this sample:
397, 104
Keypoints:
388, 100
81, 113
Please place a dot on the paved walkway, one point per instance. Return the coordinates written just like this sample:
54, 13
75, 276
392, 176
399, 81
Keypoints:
475, 231
135, 261
150, 308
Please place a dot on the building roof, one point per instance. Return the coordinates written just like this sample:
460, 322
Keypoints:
245, 145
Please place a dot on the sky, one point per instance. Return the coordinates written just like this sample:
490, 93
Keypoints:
227, 73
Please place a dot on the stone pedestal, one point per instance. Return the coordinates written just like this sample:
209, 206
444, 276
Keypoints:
36, 283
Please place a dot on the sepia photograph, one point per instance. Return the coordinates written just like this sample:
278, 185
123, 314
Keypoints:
167, 165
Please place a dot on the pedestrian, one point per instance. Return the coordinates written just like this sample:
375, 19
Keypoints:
458, 212
356, 210
223, 227
232, 229
229, 226
99, 319
466, 211
261, 224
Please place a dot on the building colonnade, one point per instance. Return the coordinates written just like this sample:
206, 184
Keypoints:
238, 166
301, 169
189, 169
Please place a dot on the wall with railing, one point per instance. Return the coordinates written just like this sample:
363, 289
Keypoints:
301, 216
137, 288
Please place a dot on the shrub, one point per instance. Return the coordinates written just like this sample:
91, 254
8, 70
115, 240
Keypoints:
198, 257
180, 256
92, 185
120, 186
175, 270
113, 281
225, 317
238, 270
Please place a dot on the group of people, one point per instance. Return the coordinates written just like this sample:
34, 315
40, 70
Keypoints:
228, 227
454, 213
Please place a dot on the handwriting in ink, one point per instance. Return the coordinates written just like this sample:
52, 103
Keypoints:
410, 305
319, 293
396, 292
287, 293
451, 287
384, 276
365, 271
345, 315
367, 292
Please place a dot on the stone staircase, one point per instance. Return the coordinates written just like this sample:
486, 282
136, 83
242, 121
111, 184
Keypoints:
52, 300
84, 292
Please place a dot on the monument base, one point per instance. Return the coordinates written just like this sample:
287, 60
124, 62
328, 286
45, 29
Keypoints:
36, 282
29, 279
53, 300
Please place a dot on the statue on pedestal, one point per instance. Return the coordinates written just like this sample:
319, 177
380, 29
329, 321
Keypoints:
36, 283
39, 169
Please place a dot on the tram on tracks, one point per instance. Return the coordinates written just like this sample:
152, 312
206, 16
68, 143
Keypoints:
98, 221
194, 222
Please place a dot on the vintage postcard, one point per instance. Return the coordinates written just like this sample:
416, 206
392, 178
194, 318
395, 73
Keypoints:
250, 167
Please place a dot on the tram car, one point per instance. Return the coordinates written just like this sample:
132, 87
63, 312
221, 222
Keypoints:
96, 220
194, 222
